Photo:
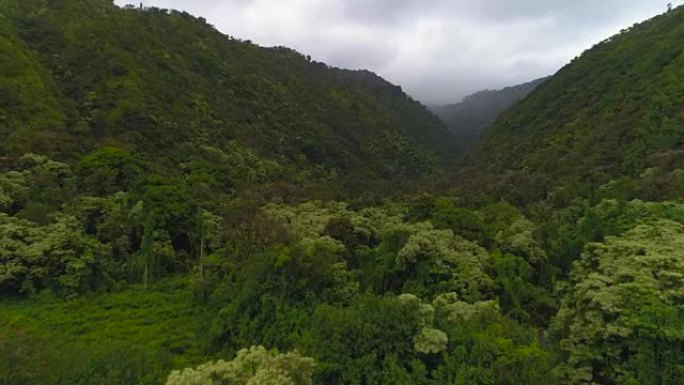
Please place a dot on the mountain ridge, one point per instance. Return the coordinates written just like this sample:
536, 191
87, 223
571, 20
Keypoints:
469, 118
152, 80
609, 116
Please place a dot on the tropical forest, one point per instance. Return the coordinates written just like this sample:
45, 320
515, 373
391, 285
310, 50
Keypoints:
179, 206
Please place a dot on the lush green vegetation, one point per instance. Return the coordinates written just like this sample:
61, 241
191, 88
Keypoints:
179, 207
179, 95
609, 124
129, 337
255, 365
621, 319
425, 291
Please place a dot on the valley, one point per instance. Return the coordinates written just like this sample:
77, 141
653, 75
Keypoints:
182, 207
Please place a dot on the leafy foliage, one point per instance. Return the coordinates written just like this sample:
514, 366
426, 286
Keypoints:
170, 196
253, 366
161, 87
607, 125
133, 336
620, 319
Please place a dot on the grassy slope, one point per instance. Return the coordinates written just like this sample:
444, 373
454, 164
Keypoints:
151, 330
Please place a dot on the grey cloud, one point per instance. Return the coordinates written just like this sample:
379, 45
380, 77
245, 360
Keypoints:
379, 11
361, 56
587, 11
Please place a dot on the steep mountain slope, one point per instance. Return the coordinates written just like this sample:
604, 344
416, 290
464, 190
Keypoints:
615, 113
168, 87
468, 119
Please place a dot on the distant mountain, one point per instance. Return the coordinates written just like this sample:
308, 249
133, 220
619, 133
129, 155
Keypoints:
79, 75
609, 124
469, 118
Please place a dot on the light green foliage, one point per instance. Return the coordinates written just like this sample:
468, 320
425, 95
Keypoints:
450, 308
253, 366
5, 199
430, 341
327, 286
17, 265
108, 170
518, 239
620, 319
35, 187
442, 245
316, 263
448, 254
81, 259
415, 252
311, 218
115, 221
335, 260
58, 256
344, 286
240, 165
325, 248
426, 312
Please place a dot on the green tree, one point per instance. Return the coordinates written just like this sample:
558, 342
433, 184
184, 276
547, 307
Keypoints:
619, 323
108, 170
253, 366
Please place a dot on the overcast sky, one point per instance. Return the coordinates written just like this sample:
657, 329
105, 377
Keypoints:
437, 50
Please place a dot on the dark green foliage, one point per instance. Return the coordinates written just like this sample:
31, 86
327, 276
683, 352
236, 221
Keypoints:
108, 170
171, 218
359, 337
167, 87
467, 223
611, 114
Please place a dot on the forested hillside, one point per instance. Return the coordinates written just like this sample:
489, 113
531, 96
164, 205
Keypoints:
179, 207
166, 88
609, 124
468, 119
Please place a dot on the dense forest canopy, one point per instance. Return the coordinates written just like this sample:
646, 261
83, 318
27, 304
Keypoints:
609, 123
181, 207
167, 87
